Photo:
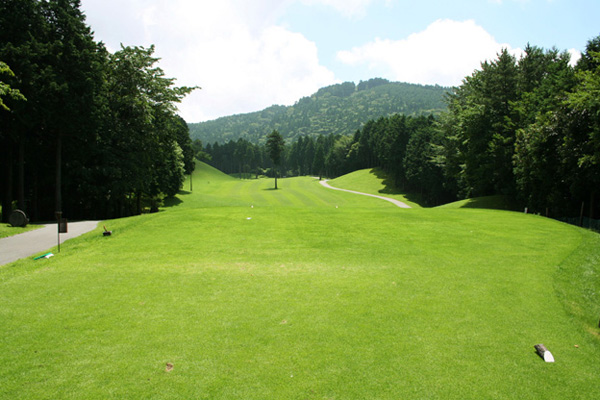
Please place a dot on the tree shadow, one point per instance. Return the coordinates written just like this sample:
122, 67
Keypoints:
497, 202
175, 200
390, 187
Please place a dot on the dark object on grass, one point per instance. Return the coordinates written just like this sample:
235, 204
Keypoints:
18, 219
544, 353
106, 232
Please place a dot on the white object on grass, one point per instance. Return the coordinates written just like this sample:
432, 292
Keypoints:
544, 353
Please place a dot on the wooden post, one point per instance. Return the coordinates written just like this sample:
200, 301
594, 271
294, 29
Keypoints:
581, 214
58, 218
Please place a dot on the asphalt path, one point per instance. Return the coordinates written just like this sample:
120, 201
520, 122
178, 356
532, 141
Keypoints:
27, 244
396, 202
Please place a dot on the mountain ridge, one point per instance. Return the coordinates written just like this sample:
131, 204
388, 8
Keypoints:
336, 109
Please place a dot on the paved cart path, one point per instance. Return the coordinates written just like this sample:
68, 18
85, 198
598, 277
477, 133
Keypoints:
396, 202
29, 243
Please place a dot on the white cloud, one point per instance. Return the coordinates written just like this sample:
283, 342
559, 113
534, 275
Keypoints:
231, 48
242, 73
444, 53
348, 8
575, 56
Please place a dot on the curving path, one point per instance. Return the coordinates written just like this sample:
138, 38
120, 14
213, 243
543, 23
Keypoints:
396, 202
29, 243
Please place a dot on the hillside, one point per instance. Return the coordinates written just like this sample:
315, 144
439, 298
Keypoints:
337, 109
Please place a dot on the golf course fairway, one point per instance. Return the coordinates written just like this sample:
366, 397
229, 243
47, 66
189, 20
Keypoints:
239, 291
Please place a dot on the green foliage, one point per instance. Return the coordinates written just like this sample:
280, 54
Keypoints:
526, 129
99, 133
335, 110
6, 90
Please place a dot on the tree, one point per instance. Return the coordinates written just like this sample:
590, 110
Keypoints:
143, 134
275, 146
319, 159
584, 141
59, 69
482, 117
5, 89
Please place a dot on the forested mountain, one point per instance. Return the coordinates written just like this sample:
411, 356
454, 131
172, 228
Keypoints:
334, 110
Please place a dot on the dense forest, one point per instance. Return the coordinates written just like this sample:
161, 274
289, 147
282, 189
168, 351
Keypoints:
334, 110
83, 131
526, 128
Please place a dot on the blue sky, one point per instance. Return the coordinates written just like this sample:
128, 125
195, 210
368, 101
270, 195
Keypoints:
247, 55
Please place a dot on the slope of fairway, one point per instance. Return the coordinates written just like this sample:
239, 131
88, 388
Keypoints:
487, 202
238, 291
372, 181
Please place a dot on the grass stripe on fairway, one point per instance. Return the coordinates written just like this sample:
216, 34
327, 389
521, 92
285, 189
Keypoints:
295, 298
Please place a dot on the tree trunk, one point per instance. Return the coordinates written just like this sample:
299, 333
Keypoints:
7, 189
21, 179
138, 202
35, 204
58, 182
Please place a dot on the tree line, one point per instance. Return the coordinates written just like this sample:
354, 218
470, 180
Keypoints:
527, 128
84, 131
399, 144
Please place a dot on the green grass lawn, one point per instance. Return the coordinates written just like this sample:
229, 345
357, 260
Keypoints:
305, 293
7, 230
373, 181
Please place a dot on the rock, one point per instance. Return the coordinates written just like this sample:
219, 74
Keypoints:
18, 219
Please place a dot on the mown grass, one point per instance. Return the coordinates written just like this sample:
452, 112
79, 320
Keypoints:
7, 230
301, 293
374, 181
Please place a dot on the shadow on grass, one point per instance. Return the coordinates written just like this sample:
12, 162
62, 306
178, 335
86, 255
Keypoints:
492, 203
390, 188
272, 188
175, 200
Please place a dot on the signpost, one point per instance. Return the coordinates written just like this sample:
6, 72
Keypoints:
61, 226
